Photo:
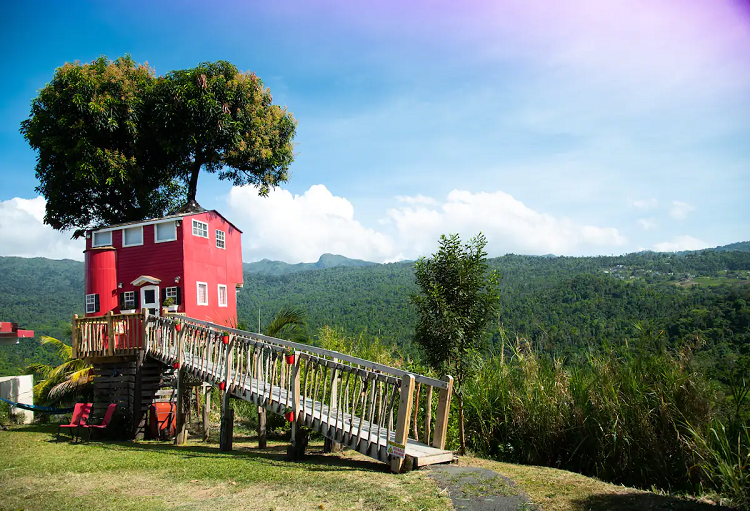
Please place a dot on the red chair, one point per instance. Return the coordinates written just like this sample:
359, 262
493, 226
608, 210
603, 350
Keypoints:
105, 422
81, 413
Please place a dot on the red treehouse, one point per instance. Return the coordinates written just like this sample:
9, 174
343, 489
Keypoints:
189, 263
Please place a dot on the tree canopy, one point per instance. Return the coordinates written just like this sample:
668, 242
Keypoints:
458, 297
115, 143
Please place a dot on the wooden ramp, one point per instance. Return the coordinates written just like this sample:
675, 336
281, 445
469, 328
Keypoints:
354, 402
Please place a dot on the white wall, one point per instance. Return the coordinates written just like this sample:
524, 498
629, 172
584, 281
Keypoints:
21, 390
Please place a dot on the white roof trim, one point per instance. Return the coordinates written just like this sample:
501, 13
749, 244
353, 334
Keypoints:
145, 279
141, 224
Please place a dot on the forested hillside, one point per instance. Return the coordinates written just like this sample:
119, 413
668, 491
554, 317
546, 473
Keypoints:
560, 304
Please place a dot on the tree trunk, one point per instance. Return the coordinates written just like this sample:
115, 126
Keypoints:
193, 186
462, 433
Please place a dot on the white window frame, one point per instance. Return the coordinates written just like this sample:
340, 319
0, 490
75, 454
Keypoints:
95, 235
226, 296
140, 228
223, 239
198, 292
128, 304
174, 230
201, 228
91, 301
171, 292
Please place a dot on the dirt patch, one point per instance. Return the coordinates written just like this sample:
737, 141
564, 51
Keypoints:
474, 489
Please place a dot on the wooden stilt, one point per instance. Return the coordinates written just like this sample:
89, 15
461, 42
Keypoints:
262, 441
182, 392
227, 423
139, 413
300, 437
206, 411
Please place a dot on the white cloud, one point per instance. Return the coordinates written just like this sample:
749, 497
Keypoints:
680, 243
647, 223
296, 228
418, 199
644, 203
680, 210
508, 224
23, 233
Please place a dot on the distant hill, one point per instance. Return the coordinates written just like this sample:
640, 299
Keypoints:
742, 246
275, 268
557, 302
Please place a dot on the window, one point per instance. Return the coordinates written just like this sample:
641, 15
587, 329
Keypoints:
132, 236
102, 239
165, 231
219, 239
172, 293
200, 229
128, 300
202, 293
92, 303
222, 295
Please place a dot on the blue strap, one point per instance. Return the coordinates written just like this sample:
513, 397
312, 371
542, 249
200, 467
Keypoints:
34, 408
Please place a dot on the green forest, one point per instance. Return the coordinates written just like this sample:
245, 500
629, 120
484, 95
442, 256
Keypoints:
561, 305
592, 364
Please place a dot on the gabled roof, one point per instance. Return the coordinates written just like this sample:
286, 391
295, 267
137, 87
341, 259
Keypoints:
189, 209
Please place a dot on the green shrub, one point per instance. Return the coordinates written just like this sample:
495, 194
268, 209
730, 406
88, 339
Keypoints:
618, 414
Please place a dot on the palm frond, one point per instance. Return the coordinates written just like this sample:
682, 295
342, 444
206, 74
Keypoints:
42, 370
63, 349
287, 322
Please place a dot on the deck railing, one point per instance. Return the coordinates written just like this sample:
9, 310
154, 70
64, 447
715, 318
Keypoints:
108, 335
350, 400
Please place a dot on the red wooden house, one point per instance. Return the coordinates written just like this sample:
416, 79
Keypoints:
192, 259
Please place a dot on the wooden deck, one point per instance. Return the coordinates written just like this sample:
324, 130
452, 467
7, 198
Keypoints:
354, 402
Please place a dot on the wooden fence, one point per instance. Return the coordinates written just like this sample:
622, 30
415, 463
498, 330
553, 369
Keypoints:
352, 401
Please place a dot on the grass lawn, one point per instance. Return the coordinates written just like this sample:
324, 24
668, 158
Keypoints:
38, 474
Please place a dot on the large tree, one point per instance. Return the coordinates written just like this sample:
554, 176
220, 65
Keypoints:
85, 126
115, 143
218, 119
458, 297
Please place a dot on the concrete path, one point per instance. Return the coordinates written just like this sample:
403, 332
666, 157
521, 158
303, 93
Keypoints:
475, 489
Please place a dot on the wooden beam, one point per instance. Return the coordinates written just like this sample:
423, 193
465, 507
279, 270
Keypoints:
404, 416
227, 414
181, 430
444, 409
110, 336
206, 411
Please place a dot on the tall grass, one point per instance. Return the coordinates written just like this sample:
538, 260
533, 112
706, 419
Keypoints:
619, 414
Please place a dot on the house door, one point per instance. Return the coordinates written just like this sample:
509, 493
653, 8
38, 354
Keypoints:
150, 299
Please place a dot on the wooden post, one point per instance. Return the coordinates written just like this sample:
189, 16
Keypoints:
329, 445
443, 410
181, 431
300, 435
404, 416
428, 415
74, 340
415, 424
262, 439
144, 330
110, 336
206, 410
227, 414
182, 394
139, 414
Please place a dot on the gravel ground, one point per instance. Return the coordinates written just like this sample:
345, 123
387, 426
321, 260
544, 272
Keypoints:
474, 489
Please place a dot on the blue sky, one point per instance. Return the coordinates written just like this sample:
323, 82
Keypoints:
573, 127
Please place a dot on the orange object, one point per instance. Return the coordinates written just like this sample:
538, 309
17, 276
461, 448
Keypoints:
162, 420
